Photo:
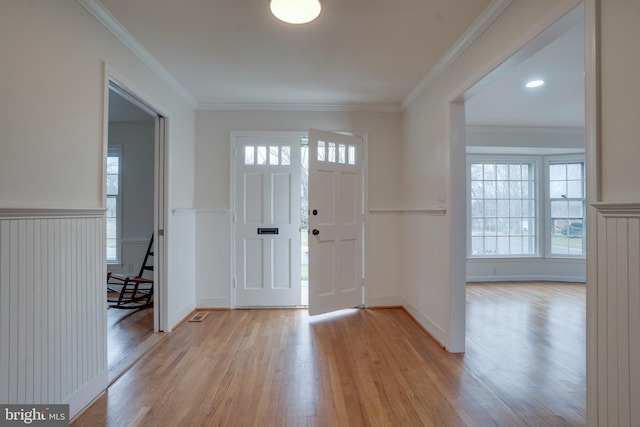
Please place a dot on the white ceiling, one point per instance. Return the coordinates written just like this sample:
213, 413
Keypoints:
557, 57
230, 53
357, 52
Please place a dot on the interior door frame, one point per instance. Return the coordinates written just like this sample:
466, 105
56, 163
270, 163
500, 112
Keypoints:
457, 167
293, 134
232, 181
138, 97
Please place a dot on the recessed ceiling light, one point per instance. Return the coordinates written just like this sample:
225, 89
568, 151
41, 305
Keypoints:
534, 83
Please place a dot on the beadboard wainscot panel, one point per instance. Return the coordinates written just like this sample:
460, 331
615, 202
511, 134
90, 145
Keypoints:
618, 317
52, 316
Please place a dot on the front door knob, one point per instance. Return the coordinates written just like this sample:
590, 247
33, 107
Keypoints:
315, 231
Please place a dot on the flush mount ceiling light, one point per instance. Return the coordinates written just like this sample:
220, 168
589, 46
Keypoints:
296, 11
534, 83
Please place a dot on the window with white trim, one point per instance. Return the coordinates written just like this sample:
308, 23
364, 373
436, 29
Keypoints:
502, 199
511, 198
114, 177
566, 207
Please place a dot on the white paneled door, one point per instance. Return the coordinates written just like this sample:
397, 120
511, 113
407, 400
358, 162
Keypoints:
335, 221
267, 215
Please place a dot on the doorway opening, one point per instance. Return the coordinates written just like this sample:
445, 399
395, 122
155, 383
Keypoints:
134, 197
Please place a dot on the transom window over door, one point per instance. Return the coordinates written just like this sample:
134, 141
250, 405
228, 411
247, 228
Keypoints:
502, 208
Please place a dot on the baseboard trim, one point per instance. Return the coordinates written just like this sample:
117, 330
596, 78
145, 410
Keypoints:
213, 303
528, 278
384, 301
87, 394
425, 322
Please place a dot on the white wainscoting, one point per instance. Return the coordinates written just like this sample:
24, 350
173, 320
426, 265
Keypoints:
52, 316
213, 258
618, 314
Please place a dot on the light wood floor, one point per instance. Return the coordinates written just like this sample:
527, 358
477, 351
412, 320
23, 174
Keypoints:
127, 331
524, 366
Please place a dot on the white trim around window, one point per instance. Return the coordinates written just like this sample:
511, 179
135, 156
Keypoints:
542, 211
114, 207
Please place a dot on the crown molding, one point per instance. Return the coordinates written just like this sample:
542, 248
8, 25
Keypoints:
376, 108
526, 129
115, 27
478, 26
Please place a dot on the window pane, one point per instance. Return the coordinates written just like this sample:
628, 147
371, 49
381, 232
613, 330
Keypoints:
476, 171
574, 171
113, 164
321, 151
477, 245
111, 207
502, 172
515, 208
502, 188
112, 184
262, 155
274, 158
342, 154
557, 172
515, 189
503, 208
477, 208
477, 190
331, 152
477, 227
285, 153
249, 155
489, 172
557, 189
489, 190
515, 245
574, 189
490, 226
352, 155
575, 210
559, 209
490, 208
490, 246
111, 228
515, 172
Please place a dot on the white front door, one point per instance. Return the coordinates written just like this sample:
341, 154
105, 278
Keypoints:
335, 221
267, 229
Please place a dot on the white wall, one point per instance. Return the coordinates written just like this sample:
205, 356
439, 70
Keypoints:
213, 142
620, 60
136, 141
426, 136
51, 156
613, 297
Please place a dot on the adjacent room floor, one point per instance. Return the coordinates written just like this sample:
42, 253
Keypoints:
524, 365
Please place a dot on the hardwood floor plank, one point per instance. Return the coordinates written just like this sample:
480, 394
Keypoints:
524, 366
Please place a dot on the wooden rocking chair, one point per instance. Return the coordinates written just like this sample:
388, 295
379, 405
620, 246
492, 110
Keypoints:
132, 291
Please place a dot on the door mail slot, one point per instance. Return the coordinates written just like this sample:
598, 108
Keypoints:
268, 230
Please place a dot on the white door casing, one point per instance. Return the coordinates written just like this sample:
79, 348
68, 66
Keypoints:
267, 221
335, 221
